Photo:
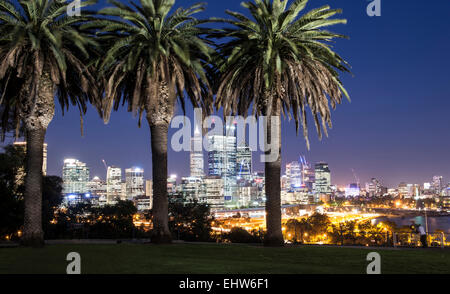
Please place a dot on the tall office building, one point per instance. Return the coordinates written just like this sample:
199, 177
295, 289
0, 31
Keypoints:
437, 185
403, 189
192, 188
22, 147
373, 188
123, 191
244, 162
97, 187
352, 190
149, 192
75, 177
214, 191
172, 185
113, 184
308, 174
197, 155
294, 175
134, 179
149, 188
222, 160
217, 156
323, 178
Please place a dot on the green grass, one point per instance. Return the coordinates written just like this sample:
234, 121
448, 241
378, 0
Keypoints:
219, 259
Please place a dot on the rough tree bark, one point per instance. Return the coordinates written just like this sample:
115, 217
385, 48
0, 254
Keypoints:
37, 113
274, 235
159, 119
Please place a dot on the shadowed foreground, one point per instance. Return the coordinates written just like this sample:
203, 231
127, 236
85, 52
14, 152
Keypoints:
218, 259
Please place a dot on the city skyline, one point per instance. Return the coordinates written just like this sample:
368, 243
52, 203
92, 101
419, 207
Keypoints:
284, 172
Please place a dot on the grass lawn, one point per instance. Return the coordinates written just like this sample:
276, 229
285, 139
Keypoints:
218, 259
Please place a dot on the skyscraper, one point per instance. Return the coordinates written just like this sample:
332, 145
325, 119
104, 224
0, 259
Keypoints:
22, 146
113, 184
192, 188
437, 185
214, 191
134, 178
222, 160
244, 162
374, 188
149, 188
172, 185
323, 178
197, 155
75, 177
149, 192
308, 174
97, 187
294, 175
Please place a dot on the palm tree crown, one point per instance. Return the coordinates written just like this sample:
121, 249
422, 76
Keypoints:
148, 50
279, 55
38, 39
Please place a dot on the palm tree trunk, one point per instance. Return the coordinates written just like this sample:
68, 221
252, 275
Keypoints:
33, 234
274, 235
37, 114
161, 233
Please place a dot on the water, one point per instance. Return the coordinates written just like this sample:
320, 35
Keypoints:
434, 223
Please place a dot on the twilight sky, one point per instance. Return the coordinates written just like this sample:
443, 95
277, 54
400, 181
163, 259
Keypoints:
396, 128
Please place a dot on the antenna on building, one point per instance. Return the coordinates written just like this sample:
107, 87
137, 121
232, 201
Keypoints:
106, 166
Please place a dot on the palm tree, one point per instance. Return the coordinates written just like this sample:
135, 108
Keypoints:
280, 63
42, 53
153, 57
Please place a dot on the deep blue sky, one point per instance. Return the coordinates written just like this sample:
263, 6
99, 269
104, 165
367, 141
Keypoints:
396, 128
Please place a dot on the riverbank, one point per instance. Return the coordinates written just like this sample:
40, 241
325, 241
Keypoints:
410, 213
431, 223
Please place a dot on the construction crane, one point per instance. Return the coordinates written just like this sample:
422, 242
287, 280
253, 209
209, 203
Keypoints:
242, 164
104, 163
356, 177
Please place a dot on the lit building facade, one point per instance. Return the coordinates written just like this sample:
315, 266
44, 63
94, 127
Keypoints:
214, 191
191, 188
149, 188
97, 187
134, 178
437, 185
308, 175
75, 177
244, 162
322, 178
172, 185
352, 190
143, 202
374, 188
149, 192
196, 156
222, 161
113, 184
22, 147
294, 175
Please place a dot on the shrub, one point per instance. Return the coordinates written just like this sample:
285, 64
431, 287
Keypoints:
239, 235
